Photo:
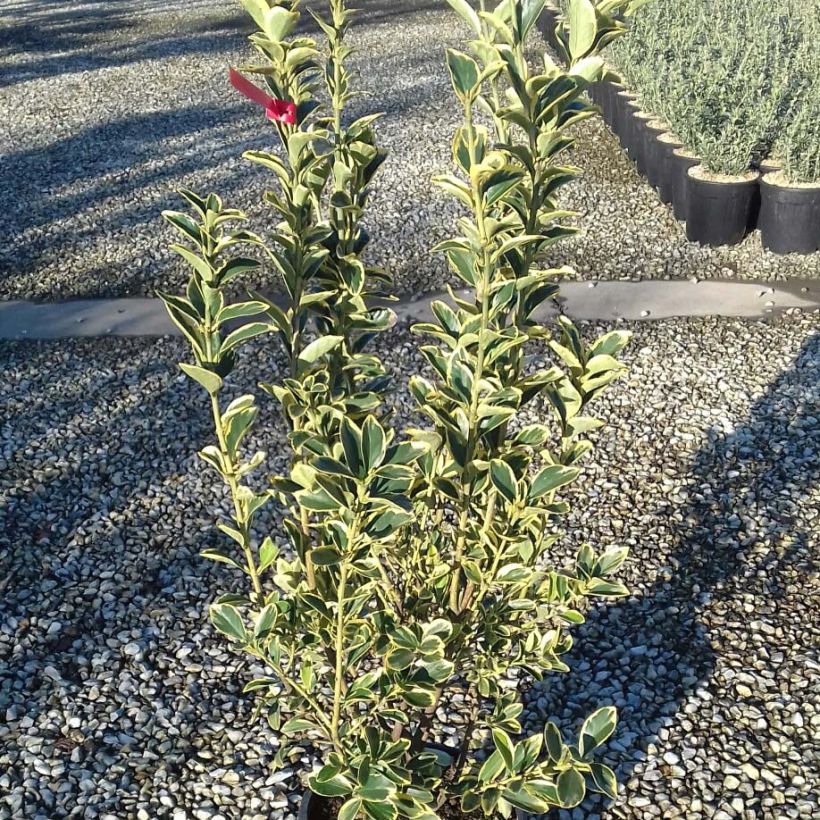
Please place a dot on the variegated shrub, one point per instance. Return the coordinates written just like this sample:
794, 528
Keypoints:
417, 562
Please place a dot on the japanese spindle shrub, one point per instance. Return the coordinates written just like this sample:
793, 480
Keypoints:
410, 565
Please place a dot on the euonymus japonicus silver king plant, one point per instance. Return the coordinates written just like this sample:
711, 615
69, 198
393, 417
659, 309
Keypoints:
408, 569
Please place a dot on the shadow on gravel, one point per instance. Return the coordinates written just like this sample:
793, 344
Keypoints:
724, 601
71, 181
68, 41
86, 472
98, 35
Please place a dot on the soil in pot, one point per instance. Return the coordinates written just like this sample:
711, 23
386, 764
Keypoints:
770, 166
320, 808
680, 161
720, 209
789, 218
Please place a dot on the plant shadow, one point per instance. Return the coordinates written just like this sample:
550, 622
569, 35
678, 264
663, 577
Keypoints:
718, 600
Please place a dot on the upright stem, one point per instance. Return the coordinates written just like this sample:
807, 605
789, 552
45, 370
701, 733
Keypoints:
483, 296
233, 484
341, 592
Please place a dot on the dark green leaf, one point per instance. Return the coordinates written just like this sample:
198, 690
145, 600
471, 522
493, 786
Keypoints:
551, 478
571, 788
503, 479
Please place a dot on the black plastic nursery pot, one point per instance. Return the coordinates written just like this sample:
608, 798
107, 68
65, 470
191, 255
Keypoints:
789, 218
630, 133
625, 109
678, 167
638, 140
720, 210
596, 93
663, 147
652, 152
608, 101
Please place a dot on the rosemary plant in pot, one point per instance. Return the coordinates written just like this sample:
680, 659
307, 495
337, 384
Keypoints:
410, 564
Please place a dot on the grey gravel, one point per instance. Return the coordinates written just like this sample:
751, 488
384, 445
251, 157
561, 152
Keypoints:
106, 108
118, 700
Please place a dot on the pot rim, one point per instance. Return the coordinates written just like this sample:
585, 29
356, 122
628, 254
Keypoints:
698, 172
684, 153
777, 179
670, 139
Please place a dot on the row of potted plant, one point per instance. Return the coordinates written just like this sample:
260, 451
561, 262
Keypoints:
712, 92
408, 564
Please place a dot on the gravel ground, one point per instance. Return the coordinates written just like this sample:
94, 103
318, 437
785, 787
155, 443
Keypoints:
120, 701
106, 108
133, 102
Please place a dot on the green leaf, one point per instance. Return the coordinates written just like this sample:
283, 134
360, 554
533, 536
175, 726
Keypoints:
385, 810
320, 501
376, 788
374, 443
606, 589
220, 557
596, 729
463, 72
265, 621
503, 479
551, 478
337, 786
525, 801
610, 561
491, 768
235, 267
318, 348
208, 379
504, 746
604, 780
268, 553
467, 13
325, 556
553, 742
228, 621
460, 379
242, 334
350, 809
196, 262
571, 788
416, 696
398, 659
583, 27
240, 310
184, 224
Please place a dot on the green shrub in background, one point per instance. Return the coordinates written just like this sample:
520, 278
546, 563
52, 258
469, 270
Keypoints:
736, 82
798, 143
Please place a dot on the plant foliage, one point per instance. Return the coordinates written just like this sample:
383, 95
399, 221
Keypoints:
416, 564
737, 82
